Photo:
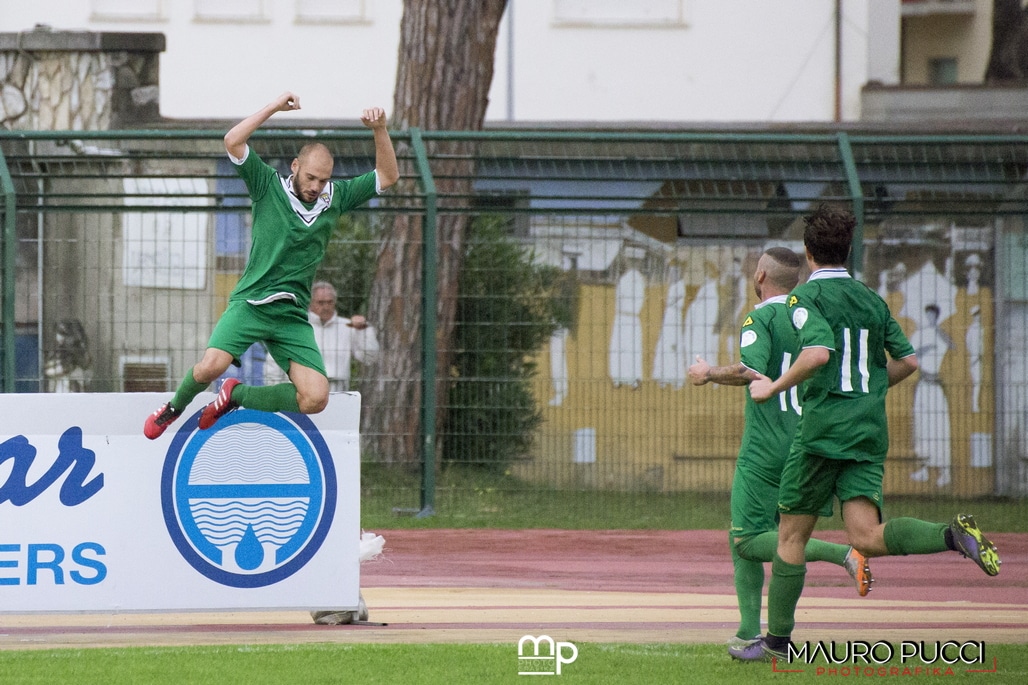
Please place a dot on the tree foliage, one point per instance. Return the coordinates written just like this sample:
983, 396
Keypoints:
506, 311
349, 262
507, 307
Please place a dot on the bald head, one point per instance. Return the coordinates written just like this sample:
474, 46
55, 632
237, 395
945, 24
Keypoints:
312, 170
319, 150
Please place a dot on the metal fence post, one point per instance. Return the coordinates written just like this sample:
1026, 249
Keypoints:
10, 245
857, 197
428, 327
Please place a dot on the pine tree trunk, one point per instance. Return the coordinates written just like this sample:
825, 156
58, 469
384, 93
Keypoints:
1008, 58
443, 78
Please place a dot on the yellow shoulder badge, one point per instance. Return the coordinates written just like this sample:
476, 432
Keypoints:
793, 300
748, 321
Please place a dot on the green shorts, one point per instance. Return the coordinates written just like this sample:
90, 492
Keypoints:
809, 483
754, 502
754, 496
281, 325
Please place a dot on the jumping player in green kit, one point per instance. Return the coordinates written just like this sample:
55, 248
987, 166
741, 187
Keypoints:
767, 346
851, 351
293, 219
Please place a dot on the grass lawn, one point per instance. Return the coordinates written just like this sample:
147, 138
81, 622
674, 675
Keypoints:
461, 665
469, 498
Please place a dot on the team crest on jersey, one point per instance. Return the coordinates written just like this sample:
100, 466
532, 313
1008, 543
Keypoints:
748, 338
748, 321
799, 317
793, 300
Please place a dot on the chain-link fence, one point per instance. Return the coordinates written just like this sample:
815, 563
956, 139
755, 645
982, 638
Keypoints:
572, 279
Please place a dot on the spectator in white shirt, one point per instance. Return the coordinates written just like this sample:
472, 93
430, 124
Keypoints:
340, 340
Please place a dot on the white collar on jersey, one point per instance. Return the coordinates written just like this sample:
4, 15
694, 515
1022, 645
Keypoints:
834, 272
320, 205
780, 299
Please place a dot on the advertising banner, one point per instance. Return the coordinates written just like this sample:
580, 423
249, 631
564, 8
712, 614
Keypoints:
261, 511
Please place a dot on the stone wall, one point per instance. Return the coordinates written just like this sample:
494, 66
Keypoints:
83, 81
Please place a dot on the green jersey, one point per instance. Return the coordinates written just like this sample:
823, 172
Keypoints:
844, 401
767, 344
289, 236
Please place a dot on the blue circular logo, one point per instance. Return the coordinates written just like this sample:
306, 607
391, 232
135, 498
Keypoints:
249, 501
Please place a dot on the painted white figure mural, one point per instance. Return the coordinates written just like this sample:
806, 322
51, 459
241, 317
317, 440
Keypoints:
928, 287
699, 334
973, 269
626, 338
931, 409
890, 280
974, 342
731, 300
567, 292
559, 366
669, 358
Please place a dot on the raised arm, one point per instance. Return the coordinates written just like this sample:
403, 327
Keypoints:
809, 360
385, 156
235, 139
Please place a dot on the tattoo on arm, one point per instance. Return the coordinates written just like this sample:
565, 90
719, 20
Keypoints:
736, 374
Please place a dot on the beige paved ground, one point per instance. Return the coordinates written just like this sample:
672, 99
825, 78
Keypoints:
609, 586
469, 615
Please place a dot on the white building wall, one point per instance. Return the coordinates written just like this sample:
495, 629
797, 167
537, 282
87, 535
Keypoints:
566, 60
884, 36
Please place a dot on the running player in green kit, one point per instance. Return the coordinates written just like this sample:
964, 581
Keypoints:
293, 219
851, 351
767, 346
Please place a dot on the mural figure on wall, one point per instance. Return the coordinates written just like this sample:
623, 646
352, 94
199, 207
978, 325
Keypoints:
890, 280
669, 357
974, 342
939, 279
701, 339
931, 409
973, 273
626, 348
567, 295
731, 294
928, 287
68, 367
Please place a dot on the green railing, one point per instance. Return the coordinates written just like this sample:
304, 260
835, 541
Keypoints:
672, 197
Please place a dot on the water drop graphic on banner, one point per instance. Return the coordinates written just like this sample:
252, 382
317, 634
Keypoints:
249, 552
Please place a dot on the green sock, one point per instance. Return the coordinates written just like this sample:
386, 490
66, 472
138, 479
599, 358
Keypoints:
763, 547
783, 594
281, 397
759, 547
819, 550
749, 584
187, 390
914, 536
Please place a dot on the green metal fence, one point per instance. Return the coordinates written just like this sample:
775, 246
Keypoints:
596, 266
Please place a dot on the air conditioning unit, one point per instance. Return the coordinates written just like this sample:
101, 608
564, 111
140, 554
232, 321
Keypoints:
145, 374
